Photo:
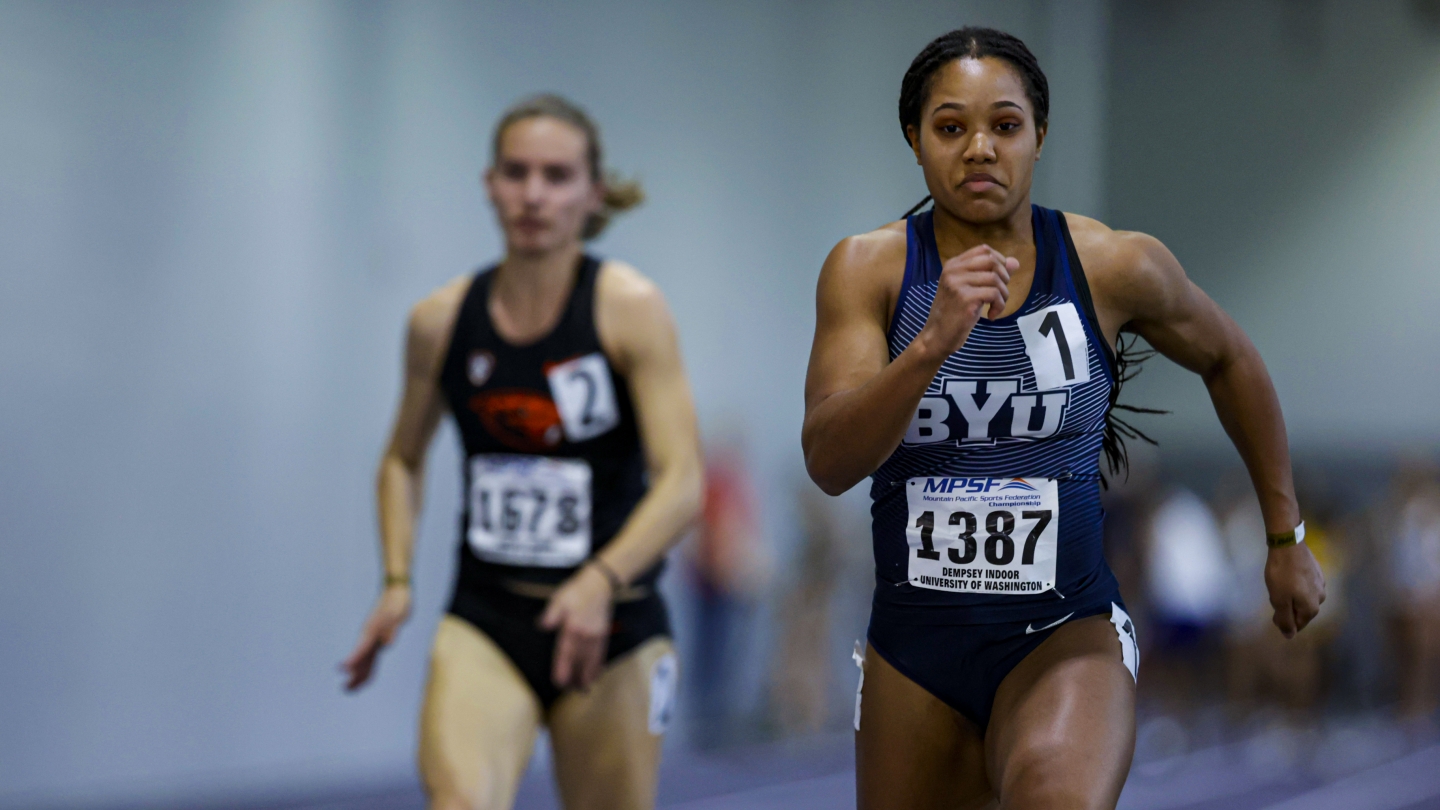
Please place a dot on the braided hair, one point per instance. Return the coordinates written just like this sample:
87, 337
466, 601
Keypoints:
974, 42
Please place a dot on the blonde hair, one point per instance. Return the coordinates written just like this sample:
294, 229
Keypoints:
621, 194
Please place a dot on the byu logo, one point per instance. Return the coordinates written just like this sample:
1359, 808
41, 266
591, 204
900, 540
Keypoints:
985, 410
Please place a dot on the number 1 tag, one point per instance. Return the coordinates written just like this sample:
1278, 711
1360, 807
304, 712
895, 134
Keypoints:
1056, 343
584, 396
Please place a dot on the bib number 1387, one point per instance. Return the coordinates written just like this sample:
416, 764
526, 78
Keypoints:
992, 536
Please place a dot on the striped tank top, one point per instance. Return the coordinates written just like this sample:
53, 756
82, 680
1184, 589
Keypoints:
989, 510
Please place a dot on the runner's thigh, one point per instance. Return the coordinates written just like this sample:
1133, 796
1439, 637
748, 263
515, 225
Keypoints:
1063, 728
478, 724
912, 751
607, 739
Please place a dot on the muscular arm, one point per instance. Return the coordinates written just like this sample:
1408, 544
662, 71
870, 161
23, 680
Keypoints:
858, 404
400, 480
1140, 282
639, 336
1185, 325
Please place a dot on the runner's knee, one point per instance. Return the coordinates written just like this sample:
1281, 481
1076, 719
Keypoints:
1036, 778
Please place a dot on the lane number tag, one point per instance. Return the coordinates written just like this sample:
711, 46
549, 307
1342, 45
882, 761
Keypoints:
530, 510
995, 536
1058, 348
584, 396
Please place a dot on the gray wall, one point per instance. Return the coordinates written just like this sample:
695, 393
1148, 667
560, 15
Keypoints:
214, 218
1287, 153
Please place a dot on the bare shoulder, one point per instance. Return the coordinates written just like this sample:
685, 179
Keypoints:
621, 285
631, 315
627, 300
869, 256
862, 276
1124, 268
432, 319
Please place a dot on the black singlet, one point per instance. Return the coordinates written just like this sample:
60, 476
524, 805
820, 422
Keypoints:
555, 401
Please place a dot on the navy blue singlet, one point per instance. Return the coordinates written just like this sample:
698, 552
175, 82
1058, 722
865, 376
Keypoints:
999, 471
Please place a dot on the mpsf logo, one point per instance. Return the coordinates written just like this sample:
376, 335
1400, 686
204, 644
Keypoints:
973, 485
972, 411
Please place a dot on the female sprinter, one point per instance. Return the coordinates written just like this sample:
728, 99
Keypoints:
582, 467
964, 359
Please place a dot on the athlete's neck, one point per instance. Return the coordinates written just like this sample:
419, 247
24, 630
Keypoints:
1013, 235
529, 291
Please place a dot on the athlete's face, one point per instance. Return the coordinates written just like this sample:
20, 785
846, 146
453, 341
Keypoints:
977, 140
541, 185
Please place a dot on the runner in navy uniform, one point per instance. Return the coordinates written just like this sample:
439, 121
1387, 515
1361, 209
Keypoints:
964, 359
563, 375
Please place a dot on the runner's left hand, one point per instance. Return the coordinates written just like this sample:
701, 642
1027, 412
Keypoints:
1296, 585
580, 610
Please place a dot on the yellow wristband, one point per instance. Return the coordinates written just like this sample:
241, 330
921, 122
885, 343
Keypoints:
1293, 537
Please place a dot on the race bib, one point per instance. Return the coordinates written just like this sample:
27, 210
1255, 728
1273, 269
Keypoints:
530, 510
983, 535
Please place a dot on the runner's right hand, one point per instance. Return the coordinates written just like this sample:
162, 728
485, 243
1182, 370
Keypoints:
970, 283
391, 611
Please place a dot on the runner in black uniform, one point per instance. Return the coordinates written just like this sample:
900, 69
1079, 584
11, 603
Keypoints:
582, 466
514, 415
965, 359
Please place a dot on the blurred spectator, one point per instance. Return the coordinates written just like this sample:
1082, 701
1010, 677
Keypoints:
1187, 578
1129, 500
1187, 575
1262, 667
1411, 523
728, 571
801, 674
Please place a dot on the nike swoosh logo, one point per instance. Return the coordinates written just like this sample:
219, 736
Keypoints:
1031, 628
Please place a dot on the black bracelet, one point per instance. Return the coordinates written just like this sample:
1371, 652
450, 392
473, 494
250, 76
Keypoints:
392, 580
616, 585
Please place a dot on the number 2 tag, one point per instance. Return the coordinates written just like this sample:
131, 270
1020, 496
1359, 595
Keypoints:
584, 396
1056, 343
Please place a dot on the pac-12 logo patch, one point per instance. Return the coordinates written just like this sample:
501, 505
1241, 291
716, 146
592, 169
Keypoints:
479, 367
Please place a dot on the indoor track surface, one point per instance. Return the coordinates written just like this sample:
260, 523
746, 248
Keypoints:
1273, 770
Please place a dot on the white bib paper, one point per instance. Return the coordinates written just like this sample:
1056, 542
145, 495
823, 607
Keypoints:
995, 536
530, 510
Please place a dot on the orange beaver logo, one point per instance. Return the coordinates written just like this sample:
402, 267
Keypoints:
524, 420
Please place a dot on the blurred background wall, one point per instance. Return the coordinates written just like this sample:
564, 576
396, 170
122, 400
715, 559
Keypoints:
214, 217
1286, 152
